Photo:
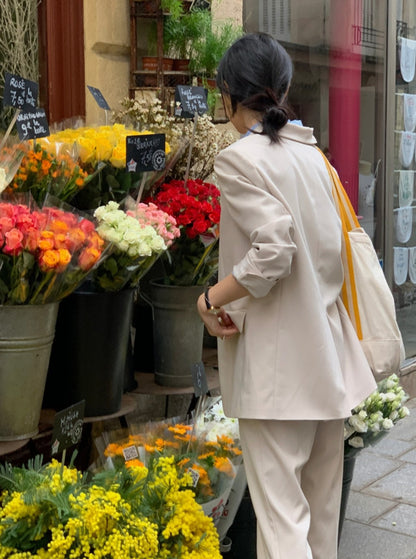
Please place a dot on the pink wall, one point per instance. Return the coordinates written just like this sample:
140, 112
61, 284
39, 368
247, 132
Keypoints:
344, 93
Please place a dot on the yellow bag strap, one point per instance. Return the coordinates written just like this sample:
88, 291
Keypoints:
349, 221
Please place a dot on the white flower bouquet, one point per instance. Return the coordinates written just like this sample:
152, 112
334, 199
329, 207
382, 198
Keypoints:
376, 415
137, 238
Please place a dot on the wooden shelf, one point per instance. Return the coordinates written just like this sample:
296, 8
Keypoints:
146, 384
147, 79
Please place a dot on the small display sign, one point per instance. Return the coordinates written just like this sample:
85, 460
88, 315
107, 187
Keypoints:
19, 92
99, 97
145, 153
67, 427
190, 100
32, 124
130, 453
199, 378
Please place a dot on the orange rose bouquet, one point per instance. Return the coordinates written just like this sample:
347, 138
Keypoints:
42, 172
44, 254
211, 459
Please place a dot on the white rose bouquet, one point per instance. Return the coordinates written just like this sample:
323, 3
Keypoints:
376, 415
136, 238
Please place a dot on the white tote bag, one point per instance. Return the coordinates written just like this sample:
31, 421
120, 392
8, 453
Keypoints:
366, 293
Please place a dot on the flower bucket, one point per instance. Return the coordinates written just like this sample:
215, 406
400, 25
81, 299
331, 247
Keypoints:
348, 471
89, 353
26, 335
178, 332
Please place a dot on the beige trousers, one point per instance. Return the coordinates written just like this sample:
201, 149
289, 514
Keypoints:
294, 473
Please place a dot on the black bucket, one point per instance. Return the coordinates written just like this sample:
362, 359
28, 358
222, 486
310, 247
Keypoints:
90, 351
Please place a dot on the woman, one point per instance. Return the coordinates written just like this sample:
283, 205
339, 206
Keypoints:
291, 366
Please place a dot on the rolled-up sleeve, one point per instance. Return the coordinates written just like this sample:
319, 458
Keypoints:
263, 219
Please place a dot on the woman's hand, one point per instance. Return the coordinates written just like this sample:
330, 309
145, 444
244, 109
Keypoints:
220, 324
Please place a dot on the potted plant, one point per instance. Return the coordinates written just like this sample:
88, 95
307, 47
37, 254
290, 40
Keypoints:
211, 46
180, 34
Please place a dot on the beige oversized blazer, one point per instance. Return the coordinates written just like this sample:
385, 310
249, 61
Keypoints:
297, 355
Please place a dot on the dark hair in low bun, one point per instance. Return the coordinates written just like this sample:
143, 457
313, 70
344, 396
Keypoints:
256, 72
274, 118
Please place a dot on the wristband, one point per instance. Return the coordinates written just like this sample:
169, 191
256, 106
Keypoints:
210, 308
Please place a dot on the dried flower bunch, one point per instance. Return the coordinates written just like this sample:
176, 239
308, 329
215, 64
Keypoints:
148, 114
209, 139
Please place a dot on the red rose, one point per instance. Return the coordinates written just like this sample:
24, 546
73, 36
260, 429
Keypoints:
13, 243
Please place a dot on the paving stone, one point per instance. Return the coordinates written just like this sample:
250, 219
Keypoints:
370, 467
391, 447
360, 541
405, 429
398, 485
409, 456
401, 519
366, 508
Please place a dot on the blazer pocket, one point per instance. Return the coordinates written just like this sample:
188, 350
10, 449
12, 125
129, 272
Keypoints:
239, 318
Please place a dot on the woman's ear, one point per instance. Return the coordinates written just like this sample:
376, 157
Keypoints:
226, 101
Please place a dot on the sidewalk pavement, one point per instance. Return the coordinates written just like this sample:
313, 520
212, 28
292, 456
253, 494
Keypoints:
380, 520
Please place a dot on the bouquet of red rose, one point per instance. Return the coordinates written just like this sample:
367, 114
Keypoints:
193, 258
44, 254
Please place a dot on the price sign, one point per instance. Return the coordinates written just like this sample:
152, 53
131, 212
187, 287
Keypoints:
145, 153
19, 92
130, 453
199, 378
99, 97
67, 427
32, 124
190, 100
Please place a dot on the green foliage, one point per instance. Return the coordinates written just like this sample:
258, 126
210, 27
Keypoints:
180, 34
172, 7
110, 183
211, 46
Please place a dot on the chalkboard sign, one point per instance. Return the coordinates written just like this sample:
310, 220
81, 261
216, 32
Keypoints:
67, 427
200, 379
32, 124
19, 92
99, 97
145, 152
190, 100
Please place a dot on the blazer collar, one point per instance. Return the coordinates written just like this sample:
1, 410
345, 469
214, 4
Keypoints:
298, 133
290, 131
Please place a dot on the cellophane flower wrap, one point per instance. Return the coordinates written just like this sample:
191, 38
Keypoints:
42, 172
138, 236
208, 452
44, 253
376, 415
55, 512
10, 159
193, 257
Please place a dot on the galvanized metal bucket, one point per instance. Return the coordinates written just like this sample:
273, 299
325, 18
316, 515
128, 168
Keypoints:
178, 332
26, 335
